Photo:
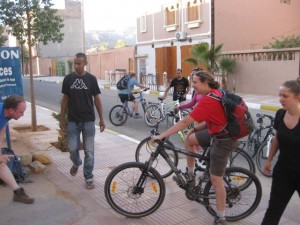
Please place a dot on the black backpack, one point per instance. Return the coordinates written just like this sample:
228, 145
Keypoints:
15, 166
123, 82
239, 120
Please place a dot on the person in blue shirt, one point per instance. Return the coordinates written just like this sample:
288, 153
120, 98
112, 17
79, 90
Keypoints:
126, 94
13, 107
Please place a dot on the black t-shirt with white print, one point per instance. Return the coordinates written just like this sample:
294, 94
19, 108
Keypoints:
80, 90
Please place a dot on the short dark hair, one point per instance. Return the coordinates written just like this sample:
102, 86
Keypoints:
81, 55
179, 70
13, 101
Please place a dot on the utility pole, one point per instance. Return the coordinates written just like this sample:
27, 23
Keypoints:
212, 35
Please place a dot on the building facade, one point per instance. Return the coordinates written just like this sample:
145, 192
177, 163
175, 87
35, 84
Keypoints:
166, 35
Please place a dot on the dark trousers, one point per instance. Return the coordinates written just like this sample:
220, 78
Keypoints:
284, 184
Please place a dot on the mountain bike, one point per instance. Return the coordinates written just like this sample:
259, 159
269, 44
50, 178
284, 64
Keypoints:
237, 158
159, 111
136, 189
119, 114
259, 142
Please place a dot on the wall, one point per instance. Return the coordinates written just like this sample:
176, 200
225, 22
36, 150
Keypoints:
262, 72
257, 71
252, 24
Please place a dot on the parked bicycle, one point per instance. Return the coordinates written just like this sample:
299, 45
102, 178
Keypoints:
136, 189
119, 114
259, 142
160, 111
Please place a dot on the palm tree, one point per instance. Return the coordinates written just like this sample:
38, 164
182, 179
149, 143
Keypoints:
206, 56
227, 66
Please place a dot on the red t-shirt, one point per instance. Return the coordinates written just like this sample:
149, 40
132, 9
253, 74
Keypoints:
211, 111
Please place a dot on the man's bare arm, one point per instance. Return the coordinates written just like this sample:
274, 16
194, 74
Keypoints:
98, 104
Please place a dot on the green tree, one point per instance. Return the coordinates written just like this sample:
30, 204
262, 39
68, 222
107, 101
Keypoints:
227, 66
204, 55
286, 42
211, 58
103, 46
120, 44
3, 38
32, 21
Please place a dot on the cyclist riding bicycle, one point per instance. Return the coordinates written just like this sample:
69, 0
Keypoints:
126, 94
181, 87
212, 119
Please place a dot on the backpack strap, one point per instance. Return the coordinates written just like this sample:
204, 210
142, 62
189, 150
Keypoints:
223, 133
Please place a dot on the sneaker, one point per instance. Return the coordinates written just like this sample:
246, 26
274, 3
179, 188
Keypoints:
137, 116
220, 221
90, 184
21, 196
74, 170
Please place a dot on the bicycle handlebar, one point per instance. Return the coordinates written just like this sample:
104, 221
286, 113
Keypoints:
262, 116
137, 92
259, 115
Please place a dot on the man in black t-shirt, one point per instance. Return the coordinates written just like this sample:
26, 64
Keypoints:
181, 87
80, 93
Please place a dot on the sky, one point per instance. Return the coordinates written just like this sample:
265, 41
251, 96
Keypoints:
113, 14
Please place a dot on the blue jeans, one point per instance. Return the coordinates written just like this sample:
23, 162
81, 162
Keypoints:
73, 139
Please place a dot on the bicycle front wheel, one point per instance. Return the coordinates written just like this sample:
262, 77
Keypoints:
152, 115
262, 156
144, 150
240, 158
130, 190
241, 201
118, 115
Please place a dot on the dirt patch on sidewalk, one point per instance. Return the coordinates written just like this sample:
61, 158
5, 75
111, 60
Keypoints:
20, 135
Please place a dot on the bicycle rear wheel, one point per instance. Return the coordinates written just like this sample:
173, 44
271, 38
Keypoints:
261, 158
127, 195
144, 150
118, 115
241, 201
152, 115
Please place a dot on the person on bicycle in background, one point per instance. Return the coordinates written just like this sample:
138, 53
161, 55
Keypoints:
286, 173
126, 94
181, 87
211, 117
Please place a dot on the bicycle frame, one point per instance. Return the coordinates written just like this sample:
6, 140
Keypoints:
141, 100
255, 138
194, 193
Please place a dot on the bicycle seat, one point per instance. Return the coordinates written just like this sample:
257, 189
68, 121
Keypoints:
160, 98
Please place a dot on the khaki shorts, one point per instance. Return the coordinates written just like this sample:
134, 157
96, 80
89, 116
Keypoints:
219, 151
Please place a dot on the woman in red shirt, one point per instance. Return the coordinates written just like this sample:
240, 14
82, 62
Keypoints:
210, 115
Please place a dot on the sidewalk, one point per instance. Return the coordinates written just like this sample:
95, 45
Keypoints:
63, 200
